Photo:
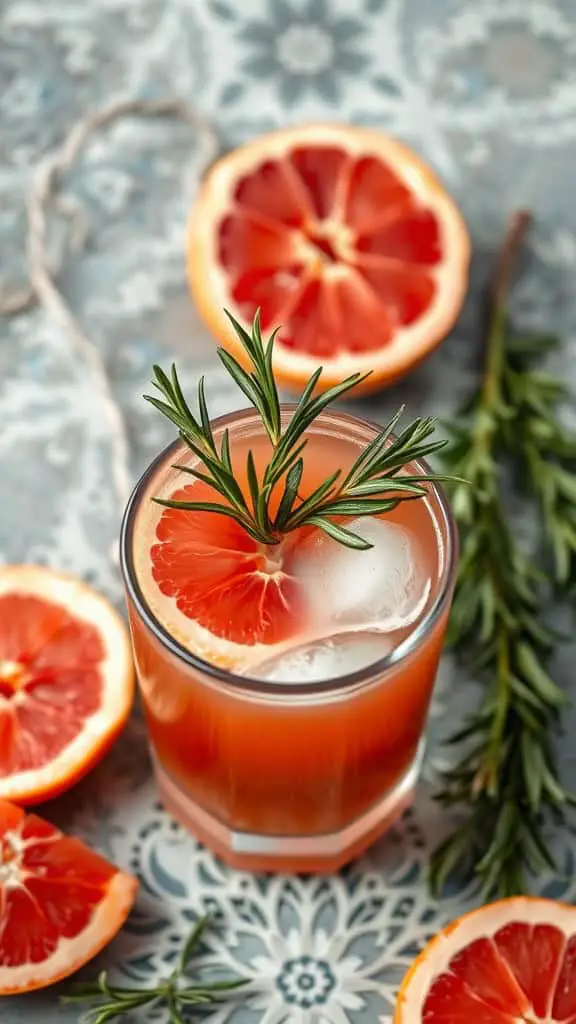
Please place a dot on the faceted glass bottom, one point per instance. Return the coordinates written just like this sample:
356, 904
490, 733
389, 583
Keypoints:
322, 854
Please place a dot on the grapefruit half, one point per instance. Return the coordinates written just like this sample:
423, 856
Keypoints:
66, 681
344, 238
510, 962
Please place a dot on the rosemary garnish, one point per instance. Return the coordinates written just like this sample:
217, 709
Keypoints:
371, 487
544, 451
175, 994
507, 780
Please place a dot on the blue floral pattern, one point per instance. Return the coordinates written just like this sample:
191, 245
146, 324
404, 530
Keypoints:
306, 982
487, 93
304, 48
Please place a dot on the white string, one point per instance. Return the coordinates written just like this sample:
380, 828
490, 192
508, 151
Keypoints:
42, 270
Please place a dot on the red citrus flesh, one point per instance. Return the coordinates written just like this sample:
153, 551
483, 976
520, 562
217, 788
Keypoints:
221, 578
56, 665
383, 242
60, 903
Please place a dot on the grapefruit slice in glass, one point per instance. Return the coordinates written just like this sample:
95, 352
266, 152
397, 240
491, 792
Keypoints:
60, 903
341, 236
66, 681
510, 962
239, 592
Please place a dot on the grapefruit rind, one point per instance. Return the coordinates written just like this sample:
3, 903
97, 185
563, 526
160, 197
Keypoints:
117, 670
411, 344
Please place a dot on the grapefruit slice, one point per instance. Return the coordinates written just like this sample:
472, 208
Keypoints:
223, 580
341, 236
60, 903
66, 681
511, 962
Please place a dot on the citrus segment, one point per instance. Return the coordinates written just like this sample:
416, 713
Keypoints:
247, 243
480, 970
534, 955
564, 1005
273, 192
375, 195
220, 577
271, 289
452, 1002
511, 962
412, 237
403, 295
296, 219
62, 647
60, 903
368, 322
313, 319
323, 172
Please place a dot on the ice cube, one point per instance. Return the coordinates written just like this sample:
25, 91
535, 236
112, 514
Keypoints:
325, 659
382, 587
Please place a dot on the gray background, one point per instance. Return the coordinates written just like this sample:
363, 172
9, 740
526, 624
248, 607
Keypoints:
487, 92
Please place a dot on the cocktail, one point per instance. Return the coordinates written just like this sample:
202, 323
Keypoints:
289, 572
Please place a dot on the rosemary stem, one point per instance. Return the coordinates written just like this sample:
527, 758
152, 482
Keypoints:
497, 301
507, 779
486, 431
518, 228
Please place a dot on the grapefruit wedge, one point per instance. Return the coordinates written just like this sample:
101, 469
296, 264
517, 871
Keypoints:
66, 681
341, 236
511, 962
60, 903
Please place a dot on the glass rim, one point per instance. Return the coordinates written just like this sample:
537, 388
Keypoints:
253, 684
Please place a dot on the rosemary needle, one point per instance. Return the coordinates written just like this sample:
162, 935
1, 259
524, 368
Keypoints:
543, 449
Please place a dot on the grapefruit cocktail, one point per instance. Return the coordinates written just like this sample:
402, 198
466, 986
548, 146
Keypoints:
289, 571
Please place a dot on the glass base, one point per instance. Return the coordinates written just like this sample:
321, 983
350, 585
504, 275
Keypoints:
292, 854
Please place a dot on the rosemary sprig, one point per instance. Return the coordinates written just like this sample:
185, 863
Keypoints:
544, 451
373, 486
506, 780
178, 996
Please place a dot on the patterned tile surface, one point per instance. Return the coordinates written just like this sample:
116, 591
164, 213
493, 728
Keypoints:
487, 92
